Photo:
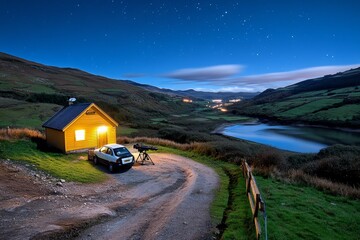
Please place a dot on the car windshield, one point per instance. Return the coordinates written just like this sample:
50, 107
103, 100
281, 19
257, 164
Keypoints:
120, 151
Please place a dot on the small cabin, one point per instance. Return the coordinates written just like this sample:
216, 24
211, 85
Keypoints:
79, 127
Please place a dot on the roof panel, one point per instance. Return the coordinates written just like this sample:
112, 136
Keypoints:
65, 116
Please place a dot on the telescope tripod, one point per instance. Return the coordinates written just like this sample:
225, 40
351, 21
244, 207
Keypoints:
144, 156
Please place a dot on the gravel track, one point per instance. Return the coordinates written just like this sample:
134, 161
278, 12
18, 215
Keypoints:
168, 200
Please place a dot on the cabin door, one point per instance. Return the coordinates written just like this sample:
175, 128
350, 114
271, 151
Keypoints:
102, 137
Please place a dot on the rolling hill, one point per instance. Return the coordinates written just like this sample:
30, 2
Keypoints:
332, 100
31, 92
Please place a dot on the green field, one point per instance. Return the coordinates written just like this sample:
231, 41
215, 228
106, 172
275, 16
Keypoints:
308, 108
300, 212
343, 113
337, 106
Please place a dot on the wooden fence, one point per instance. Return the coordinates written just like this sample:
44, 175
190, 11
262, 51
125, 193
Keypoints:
255, 200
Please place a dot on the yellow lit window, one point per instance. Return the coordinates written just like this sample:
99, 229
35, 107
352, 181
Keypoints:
79, 135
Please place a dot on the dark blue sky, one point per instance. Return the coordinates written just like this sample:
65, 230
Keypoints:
213, 45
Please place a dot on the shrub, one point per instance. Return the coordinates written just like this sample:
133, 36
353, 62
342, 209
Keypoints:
180, 136
174, 135
269, 158
344, 169
338, 150
298, 160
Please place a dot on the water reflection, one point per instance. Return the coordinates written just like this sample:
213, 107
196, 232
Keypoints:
292, 138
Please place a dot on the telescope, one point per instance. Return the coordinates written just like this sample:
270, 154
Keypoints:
144, 148
143, 155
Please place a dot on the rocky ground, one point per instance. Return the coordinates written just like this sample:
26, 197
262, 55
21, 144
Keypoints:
168, 200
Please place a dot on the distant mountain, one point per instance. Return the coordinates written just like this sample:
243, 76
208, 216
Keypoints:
330, 100
197, 94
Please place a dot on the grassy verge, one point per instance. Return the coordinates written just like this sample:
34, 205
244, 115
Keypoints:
229, 210
301, 212
73, 167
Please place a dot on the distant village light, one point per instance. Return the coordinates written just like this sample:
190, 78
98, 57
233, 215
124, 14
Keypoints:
187, 100
217, 100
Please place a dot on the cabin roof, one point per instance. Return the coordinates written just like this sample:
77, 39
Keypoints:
69, 114
65, 116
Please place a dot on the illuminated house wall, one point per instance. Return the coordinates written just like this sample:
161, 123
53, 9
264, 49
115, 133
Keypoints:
80, 126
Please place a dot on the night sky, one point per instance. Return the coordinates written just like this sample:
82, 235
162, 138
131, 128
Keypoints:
205, 45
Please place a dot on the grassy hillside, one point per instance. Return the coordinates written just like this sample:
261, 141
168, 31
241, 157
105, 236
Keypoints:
30, 93
300, 212
331, 100
27, 87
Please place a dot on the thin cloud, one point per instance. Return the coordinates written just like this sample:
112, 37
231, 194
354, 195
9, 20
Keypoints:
292, 76
249, 88
206, 74
223, 76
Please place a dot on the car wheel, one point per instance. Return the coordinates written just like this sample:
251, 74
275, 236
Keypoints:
111, 167
95, 160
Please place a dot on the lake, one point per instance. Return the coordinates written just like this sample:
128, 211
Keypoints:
303, 139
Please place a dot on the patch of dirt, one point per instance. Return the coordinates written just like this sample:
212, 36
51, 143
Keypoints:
168, 200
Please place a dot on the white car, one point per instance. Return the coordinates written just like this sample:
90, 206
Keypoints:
114, 156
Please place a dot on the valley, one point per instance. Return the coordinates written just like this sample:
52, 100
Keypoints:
31, 93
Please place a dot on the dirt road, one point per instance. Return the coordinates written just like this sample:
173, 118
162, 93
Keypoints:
169, 200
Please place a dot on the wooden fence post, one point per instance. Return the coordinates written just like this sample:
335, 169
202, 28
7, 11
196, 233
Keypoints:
255, 199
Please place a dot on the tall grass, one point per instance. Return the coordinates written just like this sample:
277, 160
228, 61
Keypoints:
298, 176
20, 133
198, 147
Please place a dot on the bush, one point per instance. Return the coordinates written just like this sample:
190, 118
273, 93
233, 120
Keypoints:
269, 158
298, 160
180, 136
174, 135
339, 150
344, 169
